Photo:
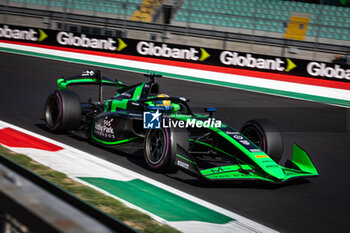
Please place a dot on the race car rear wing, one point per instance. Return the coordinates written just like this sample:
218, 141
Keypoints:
89, 77
153, 76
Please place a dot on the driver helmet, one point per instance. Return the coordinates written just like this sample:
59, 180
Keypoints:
163, 103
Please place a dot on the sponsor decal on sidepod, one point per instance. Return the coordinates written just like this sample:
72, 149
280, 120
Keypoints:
105, 129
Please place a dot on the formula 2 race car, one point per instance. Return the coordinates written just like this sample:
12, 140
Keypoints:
173, 136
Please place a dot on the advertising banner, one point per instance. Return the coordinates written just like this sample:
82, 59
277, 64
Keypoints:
175, 52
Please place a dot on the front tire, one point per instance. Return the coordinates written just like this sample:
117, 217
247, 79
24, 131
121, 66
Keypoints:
266, 135
62, 111
160, 148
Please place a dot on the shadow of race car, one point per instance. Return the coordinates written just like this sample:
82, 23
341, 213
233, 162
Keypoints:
174, 137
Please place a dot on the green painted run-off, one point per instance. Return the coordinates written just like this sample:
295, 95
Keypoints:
160, 202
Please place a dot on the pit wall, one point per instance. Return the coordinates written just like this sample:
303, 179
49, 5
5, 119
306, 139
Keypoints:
283, 76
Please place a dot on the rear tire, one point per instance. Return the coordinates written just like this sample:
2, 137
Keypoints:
160, 148
62, 111
266, 135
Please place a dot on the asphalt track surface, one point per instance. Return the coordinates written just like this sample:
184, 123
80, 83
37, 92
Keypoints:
314, 205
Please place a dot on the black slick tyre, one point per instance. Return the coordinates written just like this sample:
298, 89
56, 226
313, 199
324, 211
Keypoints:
62, 111
266, 135
160, 147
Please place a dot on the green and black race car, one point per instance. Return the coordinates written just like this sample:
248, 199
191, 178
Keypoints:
174, 137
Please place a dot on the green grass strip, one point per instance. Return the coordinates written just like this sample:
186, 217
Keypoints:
158, 201
296, 95
111, 206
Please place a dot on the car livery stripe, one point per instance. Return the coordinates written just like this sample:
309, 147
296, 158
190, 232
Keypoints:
185, 159
113, 143
173, 207
211, 146
261, 156
138, 91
